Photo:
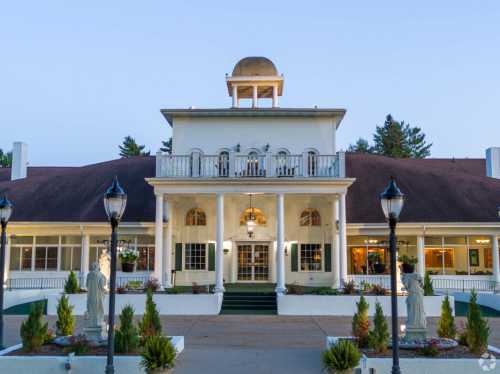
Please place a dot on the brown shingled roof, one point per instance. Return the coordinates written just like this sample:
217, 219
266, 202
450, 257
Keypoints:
438, 190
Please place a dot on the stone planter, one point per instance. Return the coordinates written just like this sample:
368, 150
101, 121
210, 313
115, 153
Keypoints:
161, 371
348, 371
128, 267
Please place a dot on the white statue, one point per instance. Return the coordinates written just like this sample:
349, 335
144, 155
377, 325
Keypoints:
105, 265
94, 316
416, 322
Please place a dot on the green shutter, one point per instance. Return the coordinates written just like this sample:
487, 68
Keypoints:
328, 257
295, 257
211, 256
178, 256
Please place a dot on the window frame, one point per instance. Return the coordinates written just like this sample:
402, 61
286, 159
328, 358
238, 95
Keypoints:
199, 215
185, 257
310, 213
322, 260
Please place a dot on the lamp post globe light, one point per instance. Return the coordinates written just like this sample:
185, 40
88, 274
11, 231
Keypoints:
6, 208
115, 200
392, 200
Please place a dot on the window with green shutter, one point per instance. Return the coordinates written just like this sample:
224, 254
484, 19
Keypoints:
178, 256
328, 257
211, 256
294, 254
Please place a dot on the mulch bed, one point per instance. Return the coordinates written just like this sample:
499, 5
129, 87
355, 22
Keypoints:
457, 352
55, 350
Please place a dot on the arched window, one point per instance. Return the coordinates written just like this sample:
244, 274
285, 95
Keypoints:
257, 213
224, 164
310, 217
196, 217
312, 163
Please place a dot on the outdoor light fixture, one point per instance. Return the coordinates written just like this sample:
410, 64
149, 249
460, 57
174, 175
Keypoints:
251, 221
482, 241
498, 210
115, 201
6, 208
392, 201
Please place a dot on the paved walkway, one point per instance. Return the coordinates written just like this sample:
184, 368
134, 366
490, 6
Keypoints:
242, 344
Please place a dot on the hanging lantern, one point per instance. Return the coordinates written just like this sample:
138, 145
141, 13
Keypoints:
251, 223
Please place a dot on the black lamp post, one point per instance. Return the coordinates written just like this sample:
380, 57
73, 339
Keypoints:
6, 208
115, 200
392, 201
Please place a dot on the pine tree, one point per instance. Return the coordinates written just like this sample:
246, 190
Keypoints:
428, 288
130, 148
71, 285
127, 336
361, 323
34, 331
361, 146
150, 324
65, 323
167, 146
446, 325
5, 159
378, 338
477, 330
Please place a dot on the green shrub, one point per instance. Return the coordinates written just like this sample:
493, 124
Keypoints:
34, 331
477, 330
65, 323
158, 353
429, 350
349, 288
361, 323
446, 325
71, 285
150, 324
341, 357
378, 338
127, 336
428, 288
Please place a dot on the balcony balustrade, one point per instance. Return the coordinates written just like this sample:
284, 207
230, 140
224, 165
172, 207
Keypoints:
231, 165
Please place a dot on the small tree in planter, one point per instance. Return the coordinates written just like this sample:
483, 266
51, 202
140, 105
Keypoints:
446, 325
150, 324
477, 330
65, 323
407, 263
127, 336
34, 331
71, 285
361, 323
128, 256
428, 288
342, 358
158, 355
378, 338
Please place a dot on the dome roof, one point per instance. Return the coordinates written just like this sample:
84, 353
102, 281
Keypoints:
252, 66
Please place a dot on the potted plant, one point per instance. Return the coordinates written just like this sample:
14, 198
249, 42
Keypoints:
407, 263
128, 256
341, 358
158, 355
377, 265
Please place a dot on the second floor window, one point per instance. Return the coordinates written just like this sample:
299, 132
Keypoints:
196, 217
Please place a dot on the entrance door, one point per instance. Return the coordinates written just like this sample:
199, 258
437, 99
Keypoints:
253, 262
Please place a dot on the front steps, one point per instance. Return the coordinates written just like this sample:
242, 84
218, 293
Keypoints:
249, 303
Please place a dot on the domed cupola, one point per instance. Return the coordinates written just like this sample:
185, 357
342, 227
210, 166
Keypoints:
255, 78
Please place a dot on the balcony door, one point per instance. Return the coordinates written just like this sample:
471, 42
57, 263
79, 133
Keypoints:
253, 262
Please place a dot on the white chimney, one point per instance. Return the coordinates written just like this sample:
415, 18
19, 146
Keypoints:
19, 168
493, 162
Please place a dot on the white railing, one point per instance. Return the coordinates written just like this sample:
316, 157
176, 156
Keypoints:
379, 280
479, 283
234, 165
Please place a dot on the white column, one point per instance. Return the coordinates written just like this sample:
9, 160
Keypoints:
421, 255
158, 272
167, 244
254, 97
496, 264
343, 237
275, 96
219, 245
85, 257
335, 245
280, 244
235, 96
7, 260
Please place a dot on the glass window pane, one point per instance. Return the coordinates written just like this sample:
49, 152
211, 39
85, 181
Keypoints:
47, 240
433, 240
66, 258
358, 260
310, 257
356, 240
26, 259
455, 240
98, 239
15, 259
52, 258
152, 259
195, 256
71, 240
21, 240
479, 240
142, 261
77, 258
145, 239
460, 263
40, 254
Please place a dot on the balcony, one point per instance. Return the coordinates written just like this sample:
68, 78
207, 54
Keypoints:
232, 165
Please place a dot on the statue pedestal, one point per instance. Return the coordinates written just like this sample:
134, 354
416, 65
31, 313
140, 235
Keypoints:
415, 334
94, 335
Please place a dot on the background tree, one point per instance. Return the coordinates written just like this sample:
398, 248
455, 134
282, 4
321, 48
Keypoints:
167, 146
446, 325
477, 330
378, 338
65, 323
5, 159
361, 323
361, 146
130, 148
150, 324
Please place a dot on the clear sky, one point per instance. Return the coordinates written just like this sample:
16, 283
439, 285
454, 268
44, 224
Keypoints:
76, 77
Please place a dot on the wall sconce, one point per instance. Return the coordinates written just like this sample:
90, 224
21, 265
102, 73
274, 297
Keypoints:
226, 251
286, 250
482, 241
